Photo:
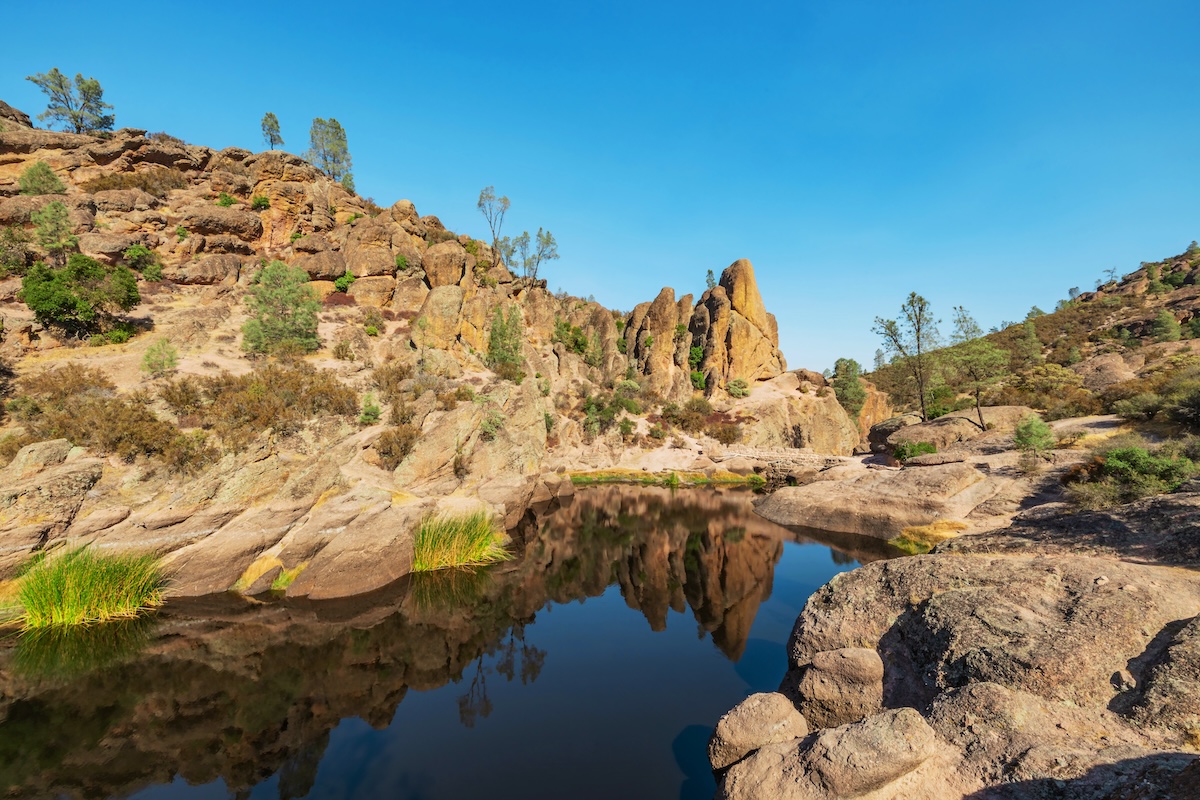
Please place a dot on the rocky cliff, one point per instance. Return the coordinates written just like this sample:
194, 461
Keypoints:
315, 498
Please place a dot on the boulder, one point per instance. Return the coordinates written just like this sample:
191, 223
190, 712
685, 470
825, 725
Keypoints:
438, 322
107, 247
312, 243
410, 292
445, 264
841, 686
960, 426
124, 200
760, 719
323, 265
881, 503
374, 291
878, 435
369, 249
214, 219
739, 338
223, 269
11, 114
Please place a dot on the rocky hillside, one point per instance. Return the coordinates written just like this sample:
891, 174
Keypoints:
327, 498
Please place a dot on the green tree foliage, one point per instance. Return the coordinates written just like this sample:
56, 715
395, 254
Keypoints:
534, 252
284, 311
965, 327
329, 152
1165, 328
144, 260
78, 107
14, 251
38, 178
160, 358
1032, 435
270, 131
977, 364
710, 280
52, 226
493, 209
504, 344
83, 295
911, 338
847, 387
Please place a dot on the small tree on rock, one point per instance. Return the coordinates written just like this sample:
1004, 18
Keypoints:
52, 226
1165, 328
329, 152
38, 178
270, 131
533, 253
493, 209
847, 387
911, 338
285, 311
1032, 435
80, 108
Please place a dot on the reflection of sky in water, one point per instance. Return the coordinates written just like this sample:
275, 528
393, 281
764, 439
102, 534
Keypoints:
616, 710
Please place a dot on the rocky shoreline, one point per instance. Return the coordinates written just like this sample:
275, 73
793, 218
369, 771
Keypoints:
1055, 658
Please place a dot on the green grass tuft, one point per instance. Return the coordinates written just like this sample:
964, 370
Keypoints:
451, 540
83, 586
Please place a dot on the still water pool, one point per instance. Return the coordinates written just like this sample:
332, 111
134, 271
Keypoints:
593, 666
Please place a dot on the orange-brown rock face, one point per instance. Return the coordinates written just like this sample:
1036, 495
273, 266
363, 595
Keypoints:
740, 339
875, 409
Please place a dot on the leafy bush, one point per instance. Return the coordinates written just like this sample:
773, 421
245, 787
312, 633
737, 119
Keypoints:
725, 432
1165, 328
493, 422
1032, 435
394, 445
15, 254
342, 284
38, 179
455, 541
906, 450
570, 335
738, 388
225, 200
285, 311
259, 203
160, 358
695, 356
158, 181
692, 417
181, 232
401, 264
81, 296
504, 343
1125, 473
83, 586
388, 379
699, 381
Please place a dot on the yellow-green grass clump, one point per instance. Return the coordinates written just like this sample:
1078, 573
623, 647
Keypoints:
920, 539
82, 586
455, 540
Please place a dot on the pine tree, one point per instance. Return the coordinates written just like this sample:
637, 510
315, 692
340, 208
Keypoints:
79, 108
54, 231
38, 178
284, 308
270, 131
329, 152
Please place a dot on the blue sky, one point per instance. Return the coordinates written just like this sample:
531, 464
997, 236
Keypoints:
984, 154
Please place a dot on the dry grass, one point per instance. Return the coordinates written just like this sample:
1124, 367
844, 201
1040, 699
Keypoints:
919, 539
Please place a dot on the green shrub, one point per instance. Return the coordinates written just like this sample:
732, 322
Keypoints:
259, 203
699, 381
39, 179
695, 356
81, 296
455, 541
139, 258
1125, 473
83, 586
725, 432
284, 311
657, 432
1032, 435
626, 427
738, 388
847, 387
15, 253
394, 445
53, 229
548, 418
1143, 406
371, 412
570, 335
493, 422
906, 450
1165, 328
181, 232
504, 343
342, 284
371, 330
225, 200
401, 264
158, 181
160, 358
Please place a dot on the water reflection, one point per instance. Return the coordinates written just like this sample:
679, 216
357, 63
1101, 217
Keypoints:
238, 692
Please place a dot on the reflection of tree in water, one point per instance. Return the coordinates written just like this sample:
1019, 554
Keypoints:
514, 658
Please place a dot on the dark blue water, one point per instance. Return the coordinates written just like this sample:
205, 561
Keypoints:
594, 667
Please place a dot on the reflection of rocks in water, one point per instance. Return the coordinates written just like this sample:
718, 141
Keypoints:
230, 688
58, 652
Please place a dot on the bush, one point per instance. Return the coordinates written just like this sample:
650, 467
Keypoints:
1032, 435
699, 381
53, 229
158, 181
738, 388
342, 284
504, 342
140, 258
181, 232
388, 379
455, 541
15, 254
1165, 328
160, 358
285, 311
38, 179
695, 356
394, 445
401, 264
82, 586
847, 387
1125, 473
726, 432
225, 200
493, 422
259, 203
81, 296
570, 335
183, 396
371, 412
906, 450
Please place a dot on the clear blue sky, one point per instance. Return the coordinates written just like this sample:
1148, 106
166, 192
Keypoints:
984, 154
